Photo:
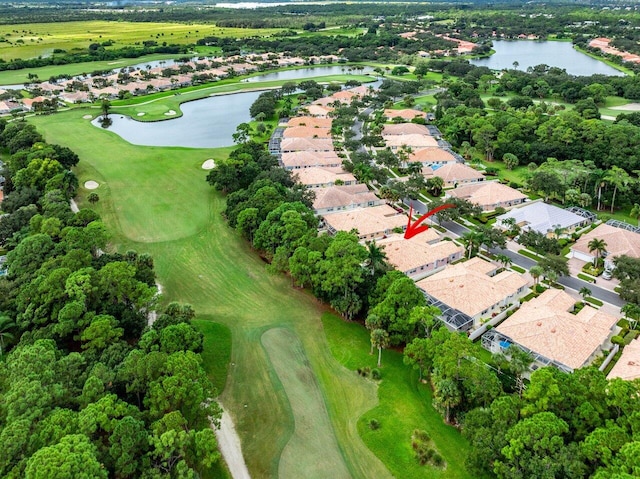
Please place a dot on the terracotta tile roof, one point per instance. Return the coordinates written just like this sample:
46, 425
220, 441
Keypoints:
619, 242
487, 193
319, 111
545, 325
376, 220
318, 175
413, 141
431, 155
467, 287
310, 121
407, 255
306, 144
405, 129
308, 159
628, 366
406, 114
344, 196
456, 172
306, 132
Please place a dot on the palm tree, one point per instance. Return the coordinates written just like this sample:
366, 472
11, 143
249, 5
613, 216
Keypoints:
472, 241
6, 326
632, 313
620, 180
376, 260
584, 292
536, 272
447, 395
504, 260
379, 339
372, 323
519, 363
635, 212
599, 246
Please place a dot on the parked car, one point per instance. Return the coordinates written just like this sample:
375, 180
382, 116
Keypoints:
606, 274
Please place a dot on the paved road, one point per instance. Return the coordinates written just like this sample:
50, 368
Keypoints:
525, 262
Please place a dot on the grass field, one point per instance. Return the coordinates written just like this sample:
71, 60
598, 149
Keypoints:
34, 39
405, 405
156, 200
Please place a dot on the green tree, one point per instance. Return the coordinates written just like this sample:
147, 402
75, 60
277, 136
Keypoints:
7, 336
73, 457
446, 395
599, 246
510, 160
585, 293
620, 180
380, 340
535, 448
635, 212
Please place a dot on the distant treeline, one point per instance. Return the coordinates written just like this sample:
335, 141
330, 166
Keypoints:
90, 56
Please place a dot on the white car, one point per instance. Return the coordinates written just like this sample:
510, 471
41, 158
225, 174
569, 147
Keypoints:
606, 274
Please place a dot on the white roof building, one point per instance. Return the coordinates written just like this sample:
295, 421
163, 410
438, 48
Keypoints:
543, 218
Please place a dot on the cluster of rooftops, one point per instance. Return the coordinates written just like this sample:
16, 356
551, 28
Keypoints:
471, 294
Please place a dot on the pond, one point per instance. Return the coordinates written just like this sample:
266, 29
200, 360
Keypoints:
210, 122
530, 53
304, 73
206, 123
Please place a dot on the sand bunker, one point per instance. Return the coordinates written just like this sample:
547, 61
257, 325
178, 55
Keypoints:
627, 107
88, 117
91, 185
141, 113
209, 164
170, 113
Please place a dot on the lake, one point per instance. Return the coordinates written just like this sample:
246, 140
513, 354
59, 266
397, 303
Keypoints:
206, 123
529, 53
210, 122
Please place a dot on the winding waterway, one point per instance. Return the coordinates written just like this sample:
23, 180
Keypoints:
528, 53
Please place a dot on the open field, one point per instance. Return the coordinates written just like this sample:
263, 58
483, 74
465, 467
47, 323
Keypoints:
34, 39
405, 405
156, 200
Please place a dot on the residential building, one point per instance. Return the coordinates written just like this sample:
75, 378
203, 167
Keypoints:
371, 223
432, 157
415, 141
318, 111
421, 255
489, 195
340, 198
473, 290
543, 218
628, 366
555, 335
405, 129
310, 121
322, 177
406, 114
306, 132
455, 174
296, 160
619, 242
306, 144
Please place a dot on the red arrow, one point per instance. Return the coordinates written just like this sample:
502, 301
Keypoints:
416, 228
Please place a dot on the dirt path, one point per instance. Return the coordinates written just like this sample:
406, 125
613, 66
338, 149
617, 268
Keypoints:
229, 444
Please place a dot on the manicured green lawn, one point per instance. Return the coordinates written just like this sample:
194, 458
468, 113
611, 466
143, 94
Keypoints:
405, 405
